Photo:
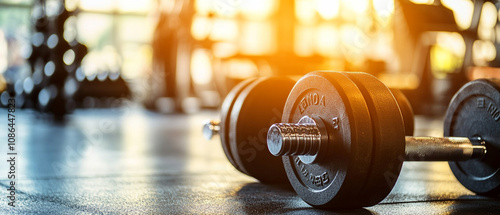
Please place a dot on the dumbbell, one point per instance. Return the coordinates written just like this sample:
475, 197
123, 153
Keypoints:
342, 139
246, 114
248, 111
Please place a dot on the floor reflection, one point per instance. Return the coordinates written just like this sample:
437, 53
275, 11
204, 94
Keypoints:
280, 199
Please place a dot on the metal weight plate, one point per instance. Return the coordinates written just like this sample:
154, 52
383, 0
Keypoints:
475, 112
257, 107
335, 180
226, 108
406, 111
388, 139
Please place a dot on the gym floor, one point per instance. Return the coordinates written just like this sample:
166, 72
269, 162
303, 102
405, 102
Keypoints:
128, 160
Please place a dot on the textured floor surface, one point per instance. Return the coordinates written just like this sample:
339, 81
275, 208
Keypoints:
122, 161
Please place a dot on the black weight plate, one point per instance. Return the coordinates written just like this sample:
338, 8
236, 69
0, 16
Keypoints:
257, 107
388, 139
335, 180
475, 112
226, 109
406, 111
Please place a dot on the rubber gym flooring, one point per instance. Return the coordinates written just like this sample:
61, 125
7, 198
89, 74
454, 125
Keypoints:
129, 161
